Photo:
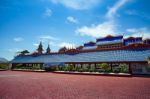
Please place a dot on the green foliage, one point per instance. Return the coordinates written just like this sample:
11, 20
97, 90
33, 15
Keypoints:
116, 70
23, 52
23, 66
104, 66
61, 68
19, 66
88, 67
92, 70
36, 67
64, 68
58, 68
4, 66
80, 70
85, 70
123, 68
74, 68
70, 68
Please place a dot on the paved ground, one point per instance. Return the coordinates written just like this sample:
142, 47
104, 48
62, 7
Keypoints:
38, 85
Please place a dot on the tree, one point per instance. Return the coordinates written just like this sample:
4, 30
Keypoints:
48, 50
40, 48
23, 52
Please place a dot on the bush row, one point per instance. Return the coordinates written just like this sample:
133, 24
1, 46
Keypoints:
34, 67
4, 66
102, 68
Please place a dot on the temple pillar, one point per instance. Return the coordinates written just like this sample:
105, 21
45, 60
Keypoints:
81, 65
95, 65
111, 68
130, 69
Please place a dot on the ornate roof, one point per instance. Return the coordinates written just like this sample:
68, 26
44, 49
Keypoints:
127, 55
109, 37
133, 38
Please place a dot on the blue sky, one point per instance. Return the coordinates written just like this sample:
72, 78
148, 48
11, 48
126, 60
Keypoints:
23, 23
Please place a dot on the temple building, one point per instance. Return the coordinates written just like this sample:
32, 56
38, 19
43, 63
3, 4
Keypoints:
113, 50
109, 42
90, 45
133, 40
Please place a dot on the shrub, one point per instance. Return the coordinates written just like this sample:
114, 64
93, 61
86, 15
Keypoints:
88, 67
124, 68
18, 66
4, 66
80, 70
116, 70
104, 66
92, 70
72, 68
23, 66
59, 68
75, 68
65, 68
85, 69
36, 67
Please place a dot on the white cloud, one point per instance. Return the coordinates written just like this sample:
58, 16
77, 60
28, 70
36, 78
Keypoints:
48, 12
139, 32
113, 10
132, 30
67, 45
77, 4
18, 39
47, 37
51, 43
72, 19
100, 30
108, 27
36, 44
